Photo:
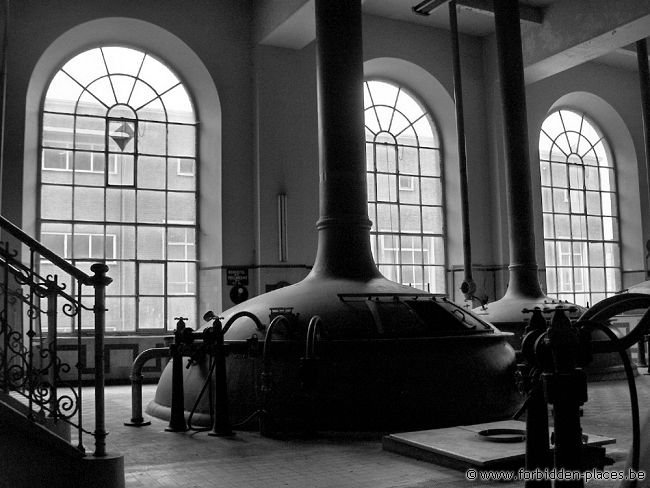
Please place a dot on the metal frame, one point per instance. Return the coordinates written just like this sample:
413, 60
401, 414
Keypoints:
167, 160
396, 230
550, 212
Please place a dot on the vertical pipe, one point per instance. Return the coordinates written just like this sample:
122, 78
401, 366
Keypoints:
523, 265
468, 286
282, 227
343, 224
644, 82
100, 281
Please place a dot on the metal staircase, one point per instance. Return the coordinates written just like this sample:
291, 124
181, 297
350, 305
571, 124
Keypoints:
41, 293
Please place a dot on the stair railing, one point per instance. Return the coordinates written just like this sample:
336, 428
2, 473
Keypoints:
31, 366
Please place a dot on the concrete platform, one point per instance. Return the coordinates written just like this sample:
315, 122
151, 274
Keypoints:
461, 447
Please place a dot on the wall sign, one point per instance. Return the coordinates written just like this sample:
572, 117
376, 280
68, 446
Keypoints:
237, 276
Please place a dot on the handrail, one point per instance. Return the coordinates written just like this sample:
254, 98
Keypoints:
35, 365
44, 251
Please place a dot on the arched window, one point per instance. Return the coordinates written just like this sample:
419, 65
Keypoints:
118, 177
405, 195
581, 227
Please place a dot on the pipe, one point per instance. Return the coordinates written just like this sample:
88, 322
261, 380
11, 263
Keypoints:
634, 398
468, 286
238, 315
343, 224
523, 266
644, 83
136, 383
611, 306
267, 376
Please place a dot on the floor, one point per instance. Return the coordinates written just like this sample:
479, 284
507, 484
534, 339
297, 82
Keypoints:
156, 459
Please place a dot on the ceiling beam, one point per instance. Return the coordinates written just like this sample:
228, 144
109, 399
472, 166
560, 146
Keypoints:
579, 31
526, 12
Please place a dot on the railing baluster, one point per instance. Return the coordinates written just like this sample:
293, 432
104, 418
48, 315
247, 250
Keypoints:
52, 295
4, 317
33, 309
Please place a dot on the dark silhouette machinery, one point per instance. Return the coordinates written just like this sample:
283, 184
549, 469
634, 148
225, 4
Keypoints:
384, 356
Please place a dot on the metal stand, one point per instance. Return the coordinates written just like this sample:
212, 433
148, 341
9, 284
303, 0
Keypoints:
538, 453
221, 423
177, 417
565, 387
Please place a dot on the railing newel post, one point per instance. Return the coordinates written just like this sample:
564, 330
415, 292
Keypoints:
99, 281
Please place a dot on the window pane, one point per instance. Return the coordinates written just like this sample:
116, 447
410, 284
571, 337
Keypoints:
62, 94
89, 133
120, 205
612, 255
120, 316
613, 277
595, 228
151, 172
181, 278
151, 278
432, 220
593, 203
431, 191
151, 206
559, 175
178, 105
549, 226
124, 240
435, 250
371, 187
182, 307
151, 312
58, 130
561, 201
385, 156
89, 204
597, 280
151, 243
410, 220
408, 160
386, 188
596, 254
56, 202
152, 138
182, 140
123, 274
122, 171
182, 208
549, 253
387, 217
430, 162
